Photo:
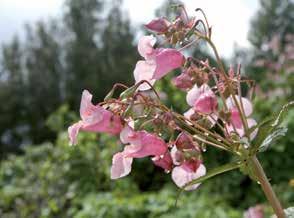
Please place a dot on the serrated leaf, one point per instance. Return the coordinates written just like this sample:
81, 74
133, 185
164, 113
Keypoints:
282, 114
276, 134
269, 125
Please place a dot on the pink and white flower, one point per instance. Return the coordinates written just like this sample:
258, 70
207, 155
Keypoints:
187, 172
158, 61
140, 144
236, 124
94, 118
202, 101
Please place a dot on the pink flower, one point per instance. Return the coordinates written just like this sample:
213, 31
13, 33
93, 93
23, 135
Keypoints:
187, 167
94, 119
187, 172
140, 144
158, 62
143, 143
254, 212
202, 99
159, 25
236, 124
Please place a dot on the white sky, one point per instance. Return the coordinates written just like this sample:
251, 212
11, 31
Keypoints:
229, 18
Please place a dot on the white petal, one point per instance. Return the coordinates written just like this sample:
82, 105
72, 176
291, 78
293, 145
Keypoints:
145, 45
192, 95
121, 165
181, 176
144, 71
247, 106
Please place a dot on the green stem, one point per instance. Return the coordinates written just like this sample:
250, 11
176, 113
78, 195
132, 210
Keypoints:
267, 188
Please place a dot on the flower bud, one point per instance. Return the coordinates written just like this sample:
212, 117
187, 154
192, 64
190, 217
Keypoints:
183, 81
159, 25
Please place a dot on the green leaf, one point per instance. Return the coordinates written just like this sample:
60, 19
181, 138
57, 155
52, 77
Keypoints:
276, 134
268, 127
280, 117
211, 173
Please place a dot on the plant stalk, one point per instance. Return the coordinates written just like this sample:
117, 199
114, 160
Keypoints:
267, 188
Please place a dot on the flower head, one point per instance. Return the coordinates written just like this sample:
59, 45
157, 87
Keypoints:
94, 118
139, 144
236, 123
158, 61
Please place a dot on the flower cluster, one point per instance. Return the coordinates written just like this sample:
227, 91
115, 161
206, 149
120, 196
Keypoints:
218, 115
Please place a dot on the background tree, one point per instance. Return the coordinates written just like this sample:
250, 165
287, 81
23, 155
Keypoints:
87, 49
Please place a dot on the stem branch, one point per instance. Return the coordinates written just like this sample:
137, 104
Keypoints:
267, 188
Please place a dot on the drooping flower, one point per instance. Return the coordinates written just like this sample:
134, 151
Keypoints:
94, 118
139, 144
159, 25
183, 81
158, 61
143, 143
188, 166
236, 124
204, 104
187, 172
202, 99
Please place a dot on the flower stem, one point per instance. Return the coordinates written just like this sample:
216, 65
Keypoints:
267, 188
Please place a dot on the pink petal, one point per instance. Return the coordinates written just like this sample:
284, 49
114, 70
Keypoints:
181, 176
159, 25
194, 93
241, 131
121, 165
110, 123
206, 103
165, 161
236, 119
73, 131
129, 136
167, 60
89, 113
145, 46
144, 71
247, 106
191, 165
142, 143
151, 145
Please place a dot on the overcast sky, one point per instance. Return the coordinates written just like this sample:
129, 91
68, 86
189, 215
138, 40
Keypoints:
230, 18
